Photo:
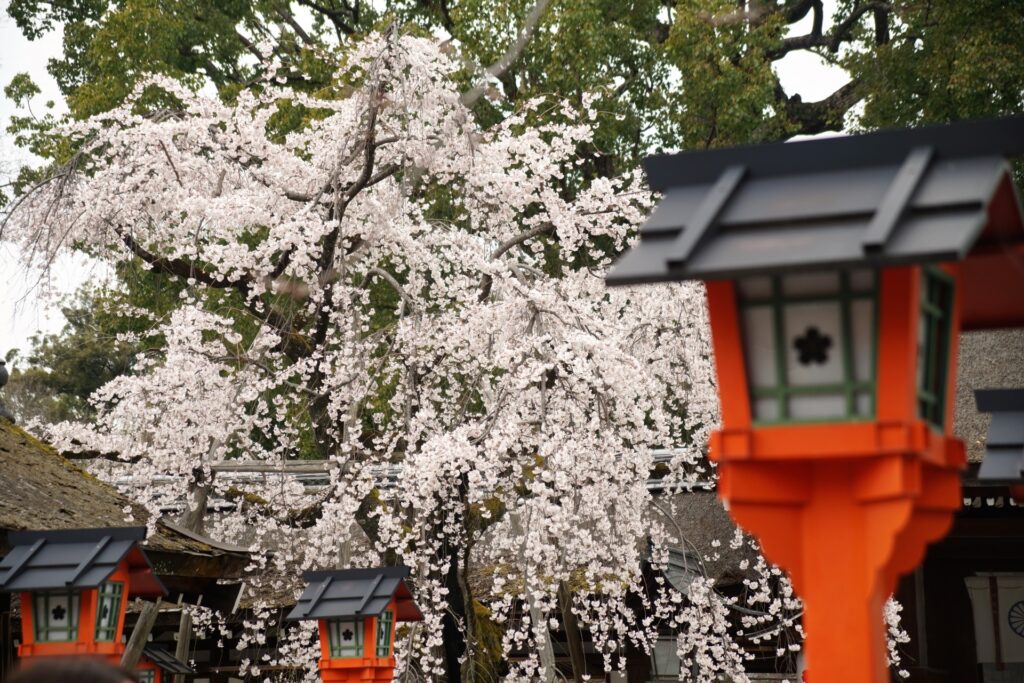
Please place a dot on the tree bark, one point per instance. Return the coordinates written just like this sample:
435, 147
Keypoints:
573, 637
540, 629
454, 642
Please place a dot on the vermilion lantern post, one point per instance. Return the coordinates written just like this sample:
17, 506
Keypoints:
839, 274
358, 611
74, 587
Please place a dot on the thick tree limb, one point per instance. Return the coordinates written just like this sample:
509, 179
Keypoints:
817, 117
344, 19
498, 69
842, 32
176, 266
289, 19
442, 9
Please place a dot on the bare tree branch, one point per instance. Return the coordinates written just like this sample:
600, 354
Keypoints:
498, 69
818, 117
487, 281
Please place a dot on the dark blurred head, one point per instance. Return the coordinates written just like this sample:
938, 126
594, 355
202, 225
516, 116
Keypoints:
61, 669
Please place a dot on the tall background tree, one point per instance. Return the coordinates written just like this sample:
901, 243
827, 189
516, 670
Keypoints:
652, 75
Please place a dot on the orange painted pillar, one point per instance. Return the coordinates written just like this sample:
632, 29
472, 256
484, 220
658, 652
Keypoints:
844, 508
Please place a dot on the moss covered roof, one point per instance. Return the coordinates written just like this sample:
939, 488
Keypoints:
41, 490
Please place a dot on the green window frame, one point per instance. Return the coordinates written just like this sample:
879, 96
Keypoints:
345, 637
45, 605
147, 676
850, 387
108, 609
934, 331
384, 622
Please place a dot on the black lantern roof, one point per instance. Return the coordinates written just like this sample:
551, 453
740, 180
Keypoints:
166, 660
884, 198
1004, 447
75, 558
343, 593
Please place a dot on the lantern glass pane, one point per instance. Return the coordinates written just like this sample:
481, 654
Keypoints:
766, 409
759, 340
817, 406
384, 622
814, 344
934, 329
108, 609
865, 404
56, 616
862, 342
147, 676
809, 341
811, 284
345, 637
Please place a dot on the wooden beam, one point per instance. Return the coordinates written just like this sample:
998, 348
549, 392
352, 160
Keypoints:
140, 634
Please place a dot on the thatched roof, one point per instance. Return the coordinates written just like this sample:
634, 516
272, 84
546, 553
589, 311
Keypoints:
990, 359
41, 490
703, 521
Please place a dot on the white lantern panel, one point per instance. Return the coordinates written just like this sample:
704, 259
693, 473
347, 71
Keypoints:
346, 638
811, 284
56, 616
814, 344
817, 406
759, 340
862, 332
766, 409
864, 404
756, 288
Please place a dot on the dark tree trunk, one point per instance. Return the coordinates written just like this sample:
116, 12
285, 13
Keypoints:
454, 642
574, 640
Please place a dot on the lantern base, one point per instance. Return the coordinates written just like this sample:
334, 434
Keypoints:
845, 529
363, 669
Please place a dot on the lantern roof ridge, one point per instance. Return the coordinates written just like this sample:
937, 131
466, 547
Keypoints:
998, 137
76, 558
889, 198
360, 592
126, 533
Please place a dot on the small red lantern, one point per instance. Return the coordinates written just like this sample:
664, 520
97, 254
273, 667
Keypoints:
74, 586
839, 274
357, 610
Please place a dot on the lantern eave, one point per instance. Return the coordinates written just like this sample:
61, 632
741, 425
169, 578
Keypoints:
879, 200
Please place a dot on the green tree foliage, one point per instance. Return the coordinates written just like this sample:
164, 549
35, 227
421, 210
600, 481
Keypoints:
99, 342
666, 74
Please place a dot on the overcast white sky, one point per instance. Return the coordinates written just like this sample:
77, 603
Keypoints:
24, 310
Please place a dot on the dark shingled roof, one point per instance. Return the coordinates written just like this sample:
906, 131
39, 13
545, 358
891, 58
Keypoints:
988, 359
344, 593
166, 661
79, 558
886, 198
1004, 452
